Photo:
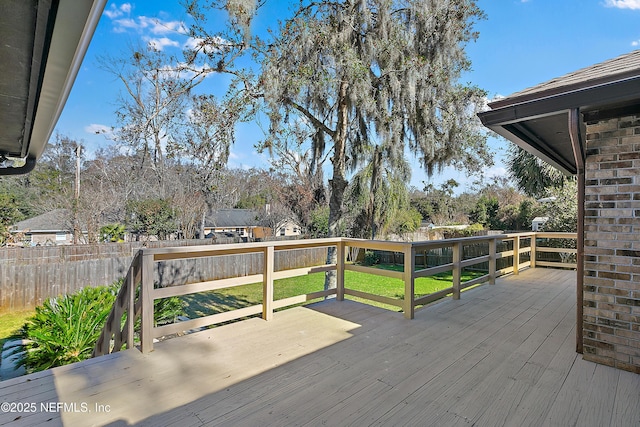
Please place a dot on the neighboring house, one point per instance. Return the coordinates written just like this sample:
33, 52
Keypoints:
51, 228
247, 223
587, 123
244, 223
288, 228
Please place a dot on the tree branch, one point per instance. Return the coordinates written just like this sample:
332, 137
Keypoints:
316, 123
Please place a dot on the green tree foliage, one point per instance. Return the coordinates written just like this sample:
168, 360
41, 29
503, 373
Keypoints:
252, 201
562, 210
502, 207
531, 174
361, 72
378, 192
438, 205
486, 212
12, 210
112, 233
405, 221
319, 225
538, 179
150, 217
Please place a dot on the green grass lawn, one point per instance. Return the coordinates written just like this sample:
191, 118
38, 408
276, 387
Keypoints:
206, 303
10, 323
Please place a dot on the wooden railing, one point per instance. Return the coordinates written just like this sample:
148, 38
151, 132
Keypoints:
496, 255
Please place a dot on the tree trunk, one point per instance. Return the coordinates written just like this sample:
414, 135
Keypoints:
202, 219
338, 183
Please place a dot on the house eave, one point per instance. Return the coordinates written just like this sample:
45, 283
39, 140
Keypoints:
44, 48
513, 117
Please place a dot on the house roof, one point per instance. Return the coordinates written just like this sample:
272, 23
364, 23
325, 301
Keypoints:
57, 220
43, 44
537, 118
232, 218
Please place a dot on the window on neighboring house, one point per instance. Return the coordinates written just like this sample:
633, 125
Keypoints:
61, 237
282, 231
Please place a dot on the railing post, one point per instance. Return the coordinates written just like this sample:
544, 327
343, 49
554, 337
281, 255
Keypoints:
493, 259
130, 282
409, 279
340, 271
533, 250
456, 271
267, 283
516, 255
146, 323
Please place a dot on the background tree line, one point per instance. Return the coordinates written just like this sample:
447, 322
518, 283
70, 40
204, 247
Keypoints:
118, 193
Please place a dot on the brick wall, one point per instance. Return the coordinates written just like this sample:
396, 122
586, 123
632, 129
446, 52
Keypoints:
611, 327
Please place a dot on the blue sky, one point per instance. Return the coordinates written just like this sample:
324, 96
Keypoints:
522, 43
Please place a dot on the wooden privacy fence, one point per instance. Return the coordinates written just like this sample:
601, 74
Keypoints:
137, 296
28, 276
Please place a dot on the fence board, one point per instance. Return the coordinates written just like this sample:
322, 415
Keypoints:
28, 276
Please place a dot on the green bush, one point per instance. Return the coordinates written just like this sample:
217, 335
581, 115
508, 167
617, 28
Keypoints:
167, 310
65, 329
473, 229
371, 258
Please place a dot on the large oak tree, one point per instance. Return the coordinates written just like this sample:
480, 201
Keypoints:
363, 73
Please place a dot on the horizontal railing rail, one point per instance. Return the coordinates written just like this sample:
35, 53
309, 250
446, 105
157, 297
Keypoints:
492, 255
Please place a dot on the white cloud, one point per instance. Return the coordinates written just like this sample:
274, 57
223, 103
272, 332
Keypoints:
116, 12
623, 4
161, 43
146, 24
635, 43
121, 25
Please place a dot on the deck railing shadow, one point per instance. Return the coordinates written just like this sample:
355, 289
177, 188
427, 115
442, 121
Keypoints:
489, 257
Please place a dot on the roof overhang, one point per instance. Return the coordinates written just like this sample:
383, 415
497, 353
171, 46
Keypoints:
43, 44
538, 119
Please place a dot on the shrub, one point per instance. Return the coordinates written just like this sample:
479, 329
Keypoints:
65, 329
167, 310
371, 258
473, 229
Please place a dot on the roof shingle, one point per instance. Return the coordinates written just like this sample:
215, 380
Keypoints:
616, 69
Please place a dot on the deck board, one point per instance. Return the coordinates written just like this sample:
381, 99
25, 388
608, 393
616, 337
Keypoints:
501, 355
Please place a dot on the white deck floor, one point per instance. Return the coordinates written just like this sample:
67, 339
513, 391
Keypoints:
502, 355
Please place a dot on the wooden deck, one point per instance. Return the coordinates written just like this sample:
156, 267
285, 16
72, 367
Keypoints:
501, 355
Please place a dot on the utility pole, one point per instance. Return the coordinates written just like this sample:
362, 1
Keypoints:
76, 202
